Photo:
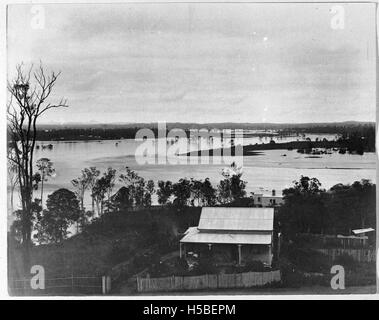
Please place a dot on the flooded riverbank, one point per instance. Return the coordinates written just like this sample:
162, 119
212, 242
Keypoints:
270, 169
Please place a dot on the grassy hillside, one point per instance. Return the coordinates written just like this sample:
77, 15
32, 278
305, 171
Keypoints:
109, 240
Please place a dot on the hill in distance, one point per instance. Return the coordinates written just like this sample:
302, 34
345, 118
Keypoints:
219, 125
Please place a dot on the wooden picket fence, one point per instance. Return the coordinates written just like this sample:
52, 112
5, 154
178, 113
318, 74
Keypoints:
70, 285
208, 281
360, 255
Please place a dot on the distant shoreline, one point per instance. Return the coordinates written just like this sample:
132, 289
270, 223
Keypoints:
129, 131
251, 150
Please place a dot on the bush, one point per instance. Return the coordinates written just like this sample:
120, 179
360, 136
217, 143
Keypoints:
255, 266
347, 262
364, 274
205, 266
293, 279
180, 266
308, 260
290, 276
159, 269
120, 251
140, 262
250, 266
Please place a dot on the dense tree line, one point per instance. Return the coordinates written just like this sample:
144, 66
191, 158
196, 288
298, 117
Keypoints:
357, 138
307, 207
65, 208
366, 130
310, 209
89, 134
336, 128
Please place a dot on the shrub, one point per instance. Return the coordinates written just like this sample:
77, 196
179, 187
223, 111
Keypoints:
205, 266
159, 269
292, 279
364, 275
347, 262
308, 260
180, 266
255, 266
120, 251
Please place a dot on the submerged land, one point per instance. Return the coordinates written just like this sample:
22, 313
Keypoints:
129, 239
303, 146
97, 131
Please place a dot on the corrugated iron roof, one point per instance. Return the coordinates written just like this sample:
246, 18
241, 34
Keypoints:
193, 235
360, 231
339, 236
238, 219
256, 195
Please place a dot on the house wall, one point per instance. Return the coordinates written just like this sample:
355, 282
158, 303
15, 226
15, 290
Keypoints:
267, 201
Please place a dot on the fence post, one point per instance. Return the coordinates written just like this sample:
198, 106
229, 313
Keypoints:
138, 285
109, 284
103, 285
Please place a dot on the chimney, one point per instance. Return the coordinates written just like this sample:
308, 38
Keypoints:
273, 192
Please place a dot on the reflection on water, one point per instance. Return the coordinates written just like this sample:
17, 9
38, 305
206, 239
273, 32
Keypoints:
272, 169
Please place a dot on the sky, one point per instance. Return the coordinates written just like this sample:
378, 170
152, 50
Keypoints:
200, 63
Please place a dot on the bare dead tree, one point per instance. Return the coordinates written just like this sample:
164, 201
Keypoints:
12, 177
28, 101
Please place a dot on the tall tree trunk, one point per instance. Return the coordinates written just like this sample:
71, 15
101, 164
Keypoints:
93, 204
42, 191
12, 193
23, 111
26, 232
98, 207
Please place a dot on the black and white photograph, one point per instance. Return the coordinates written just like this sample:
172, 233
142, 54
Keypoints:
190, 149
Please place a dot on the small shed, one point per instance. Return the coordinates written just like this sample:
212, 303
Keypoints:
362, 232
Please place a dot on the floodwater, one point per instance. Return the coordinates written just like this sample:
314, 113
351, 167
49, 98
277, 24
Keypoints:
272, 169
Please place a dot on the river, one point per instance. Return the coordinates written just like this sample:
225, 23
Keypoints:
272, 169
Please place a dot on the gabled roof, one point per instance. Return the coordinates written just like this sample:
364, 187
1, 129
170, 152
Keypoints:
236, 219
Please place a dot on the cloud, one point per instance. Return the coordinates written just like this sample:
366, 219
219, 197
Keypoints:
203, 62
